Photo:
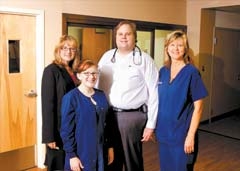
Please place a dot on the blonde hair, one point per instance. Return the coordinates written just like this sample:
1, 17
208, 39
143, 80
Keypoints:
169, 39
71, 41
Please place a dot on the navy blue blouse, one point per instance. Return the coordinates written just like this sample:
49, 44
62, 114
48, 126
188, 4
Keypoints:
82, 128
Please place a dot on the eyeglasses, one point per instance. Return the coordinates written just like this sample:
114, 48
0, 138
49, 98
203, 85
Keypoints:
66, 49
87, 74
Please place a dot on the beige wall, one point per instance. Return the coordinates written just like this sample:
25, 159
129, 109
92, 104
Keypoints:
145, 10
194, 18
183, 12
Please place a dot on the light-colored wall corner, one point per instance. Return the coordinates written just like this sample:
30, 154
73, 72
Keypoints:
204, 56
193, 14
200, 34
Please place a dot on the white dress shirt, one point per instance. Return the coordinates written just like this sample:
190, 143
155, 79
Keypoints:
130, 82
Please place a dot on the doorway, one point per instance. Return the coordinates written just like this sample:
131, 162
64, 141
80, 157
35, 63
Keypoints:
19, 86
226, 71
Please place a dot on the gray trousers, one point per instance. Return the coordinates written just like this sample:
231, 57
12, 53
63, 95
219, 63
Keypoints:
127, 143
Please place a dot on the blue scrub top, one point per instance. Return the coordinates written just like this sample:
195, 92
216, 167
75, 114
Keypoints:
82, 128
176, 103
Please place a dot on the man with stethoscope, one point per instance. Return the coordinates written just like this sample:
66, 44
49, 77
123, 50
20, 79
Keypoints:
129, 78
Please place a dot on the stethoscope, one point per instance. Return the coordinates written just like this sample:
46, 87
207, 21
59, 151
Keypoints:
139, 62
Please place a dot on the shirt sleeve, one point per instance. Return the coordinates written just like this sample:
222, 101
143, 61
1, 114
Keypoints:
68, 126
151, 79
198, 89
48, 90
102, 61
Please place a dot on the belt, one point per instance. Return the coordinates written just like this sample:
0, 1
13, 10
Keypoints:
140, 109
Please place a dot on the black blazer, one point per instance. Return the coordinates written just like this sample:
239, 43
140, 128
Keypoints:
56, 82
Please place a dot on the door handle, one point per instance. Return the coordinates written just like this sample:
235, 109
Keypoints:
31, 93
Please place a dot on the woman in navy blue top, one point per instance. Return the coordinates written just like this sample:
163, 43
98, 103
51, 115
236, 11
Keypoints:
181, 92
84, 112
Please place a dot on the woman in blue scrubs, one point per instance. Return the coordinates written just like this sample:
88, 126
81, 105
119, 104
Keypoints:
84, 112
181, 92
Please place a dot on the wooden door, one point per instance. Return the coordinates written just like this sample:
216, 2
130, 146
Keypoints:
17, 91
95, 42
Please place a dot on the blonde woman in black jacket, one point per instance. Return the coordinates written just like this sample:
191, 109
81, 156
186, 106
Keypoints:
58, 79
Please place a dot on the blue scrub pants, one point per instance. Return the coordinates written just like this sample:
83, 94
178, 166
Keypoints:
172, 157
